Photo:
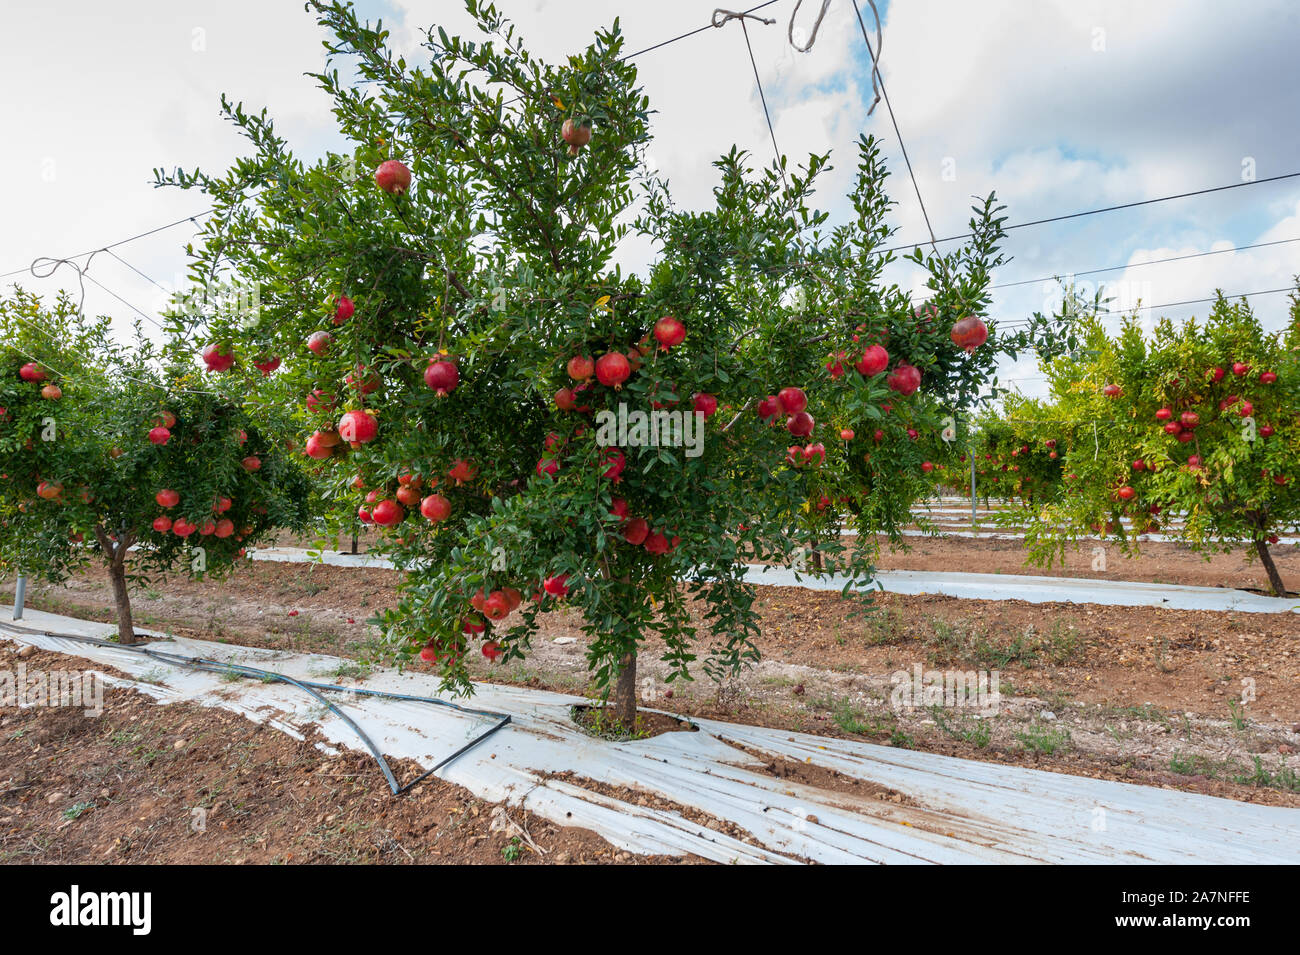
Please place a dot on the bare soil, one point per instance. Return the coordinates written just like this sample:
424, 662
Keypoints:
1194, 700
183, 783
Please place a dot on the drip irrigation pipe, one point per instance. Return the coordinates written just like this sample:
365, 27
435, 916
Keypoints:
313, 689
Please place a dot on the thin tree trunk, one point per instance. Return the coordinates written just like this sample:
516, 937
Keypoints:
115, 556
1270, 568
122, 597
1258, 521
623, 703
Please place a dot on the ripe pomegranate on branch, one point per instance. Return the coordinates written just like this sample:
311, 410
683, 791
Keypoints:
552, 432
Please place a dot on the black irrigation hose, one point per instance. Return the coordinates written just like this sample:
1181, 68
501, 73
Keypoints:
307, 686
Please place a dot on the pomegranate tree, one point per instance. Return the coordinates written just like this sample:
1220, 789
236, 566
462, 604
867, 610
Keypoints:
1196, 421
608, 443
85, 483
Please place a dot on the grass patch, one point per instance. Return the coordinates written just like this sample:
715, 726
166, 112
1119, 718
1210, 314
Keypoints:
1042, 739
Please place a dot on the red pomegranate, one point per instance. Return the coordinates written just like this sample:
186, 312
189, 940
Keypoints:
393, 177
318, 448
162, 524
365, 382
557, 586
167, 498
1268, 377
267, 365
343, 310
576, 135
442, 376
706, 404
1164, 414
252, 463
581, 367
1112, 391
873, 361
616, 460
669, 332
51, 392
225, 528
657, 544
31, 372
564, 399
636, 531
435, 508
159, 436
388, 513
769, 407
800, 425
218, 360
358, 428
969, 333
793, 400
548, 466
318, 343
462, 471
612, 369
492, 650
905, 379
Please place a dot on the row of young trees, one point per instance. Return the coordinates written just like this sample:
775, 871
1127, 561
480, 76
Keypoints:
1194, 420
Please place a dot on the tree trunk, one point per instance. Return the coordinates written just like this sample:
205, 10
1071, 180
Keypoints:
122, 597
623, 703
1259, 521
816, 556
1270, 568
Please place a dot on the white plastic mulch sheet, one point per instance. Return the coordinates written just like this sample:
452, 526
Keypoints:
714, 799
1119, 593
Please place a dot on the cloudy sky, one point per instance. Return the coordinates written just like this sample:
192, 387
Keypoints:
1058, 105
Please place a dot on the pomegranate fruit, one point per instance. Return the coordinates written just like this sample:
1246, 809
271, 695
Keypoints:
769, 407
1164, 414
846, 434
969, 333
252, 463
1240, 368
612, 369
800, 425
547, 466
318, 343
51, 392
267, 365
616, 460
159, 436
636, 531
581, 367
393, 177
318, 449
657, 544
365, 382
442, 376
815, 454
1126, 493
793, 400
1111, 391
387, 513
343, 310
358, 428
31, 372
669, 332
706, 404
557, 586
1268, 377
462, 471
162, 524
1266, 431
225, 528
1189, 419
564, 399
435, 508
167, 498
873, 361
576, 135
905, 379
218, 360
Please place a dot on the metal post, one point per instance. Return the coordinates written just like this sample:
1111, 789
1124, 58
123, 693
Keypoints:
973, 519
20, 596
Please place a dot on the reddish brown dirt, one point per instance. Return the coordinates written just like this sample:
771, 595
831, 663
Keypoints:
1141, 694
124, 787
